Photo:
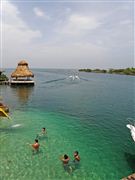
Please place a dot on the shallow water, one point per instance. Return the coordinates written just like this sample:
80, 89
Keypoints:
88, 115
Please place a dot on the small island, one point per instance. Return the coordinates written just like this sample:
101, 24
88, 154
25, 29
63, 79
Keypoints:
127, 71
3, 78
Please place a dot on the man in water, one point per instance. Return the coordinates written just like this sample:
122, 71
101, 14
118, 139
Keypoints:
42, 133
65, 160
35, 146
76, 161
76, 156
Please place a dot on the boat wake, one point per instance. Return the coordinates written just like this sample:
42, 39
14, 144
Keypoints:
70, 78
54, 80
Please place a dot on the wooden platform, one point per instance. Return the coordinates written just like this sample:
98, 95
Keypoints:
22, 82
130, 177
17, 82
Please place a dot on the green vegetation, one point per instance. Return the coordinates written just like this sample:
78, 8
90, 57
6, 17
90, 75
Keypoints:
3, 77
85, 70
127, 71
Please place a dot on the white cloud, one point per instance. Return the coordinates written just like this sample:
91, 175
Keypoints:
73, 55
14, 27
40, 13
17, 36
78, 24
125, 22
68, 10
80, 40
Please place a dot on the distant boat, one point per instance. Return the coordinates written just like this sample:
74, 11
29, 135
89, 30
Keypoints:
132, 130
73, 77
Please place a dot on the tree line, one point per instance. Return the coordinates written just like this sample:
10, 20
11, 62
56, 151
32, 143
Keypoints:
126, 71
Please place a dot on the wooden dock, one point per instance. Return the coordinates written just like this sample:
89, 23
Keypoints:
130, 177
17, 82
22, 82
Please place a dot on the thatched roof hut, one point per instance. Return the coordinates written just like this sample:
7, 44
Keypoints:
22, 70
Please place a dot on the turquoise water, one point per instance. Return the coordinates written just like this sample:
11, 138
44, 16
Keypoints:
88, 115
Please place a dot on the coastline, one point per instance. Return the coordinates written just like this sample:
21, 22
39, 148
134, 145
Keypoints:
126, 71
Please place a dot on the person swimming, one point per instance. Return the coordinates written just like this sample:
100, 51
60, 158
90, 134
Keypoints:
42, 133
65, 160
35, 146
76, 156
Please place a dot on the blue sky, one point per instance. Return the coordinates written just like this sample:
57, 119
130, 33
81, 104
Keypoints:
70, 34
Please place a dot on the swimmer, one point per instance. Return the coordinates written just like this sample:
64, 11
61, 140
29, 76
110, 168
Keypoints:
35, 146
65, 160
76, 157
42, 133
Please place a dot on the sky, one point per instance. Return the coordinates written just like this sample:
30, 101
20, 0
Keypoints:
67, 34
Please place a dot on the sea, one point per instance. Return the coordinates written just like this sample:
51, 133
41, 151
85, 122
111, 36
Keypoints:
84, 112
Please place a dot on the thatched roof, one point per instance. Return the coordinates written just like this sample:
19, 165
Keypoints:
23, 62
22, 70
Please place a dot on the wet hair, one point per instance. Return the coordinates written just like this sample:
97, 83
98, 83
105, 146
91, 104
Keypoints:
76, 152
65, 156
43, 128
36, 140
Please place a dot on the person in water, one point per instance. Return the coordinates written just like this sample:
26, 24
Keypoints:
76, 156
65, 159
35, 146
42, 133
